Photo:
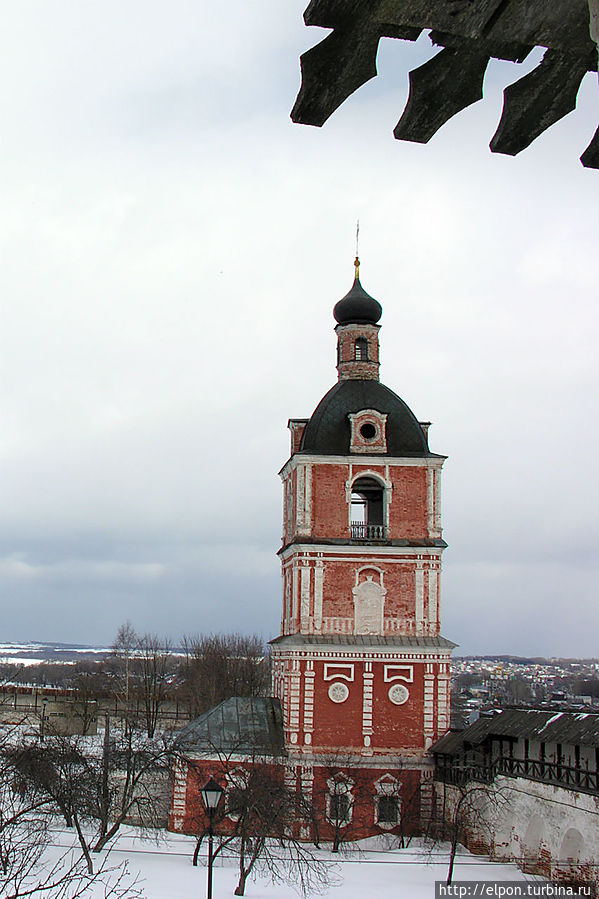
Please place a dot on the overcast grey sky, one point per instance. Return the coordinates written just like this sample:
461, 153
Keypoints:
172, 247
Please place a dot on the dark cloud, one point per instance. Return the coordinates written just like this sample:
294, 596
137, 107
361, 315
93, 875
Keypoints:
172, 249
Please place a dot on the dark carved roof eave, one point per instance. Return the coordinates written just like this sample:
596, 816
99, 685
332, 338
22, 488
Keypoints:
470, 34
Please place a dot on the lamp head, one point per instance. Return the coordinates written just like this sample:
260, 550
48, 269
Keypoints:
211, 793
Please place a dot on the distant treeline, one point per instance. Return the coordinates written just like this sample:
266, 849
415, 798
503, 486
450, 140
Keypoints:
145, 670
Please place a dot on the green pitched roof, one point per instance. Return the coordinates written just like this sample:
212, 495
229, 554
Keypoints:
239, 724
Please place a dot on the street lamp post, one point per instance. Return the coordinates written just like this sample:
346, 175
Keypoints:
211, 793
43, 722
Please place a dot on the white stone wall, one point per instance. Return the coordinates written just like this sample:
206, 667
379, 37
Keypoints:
544, 828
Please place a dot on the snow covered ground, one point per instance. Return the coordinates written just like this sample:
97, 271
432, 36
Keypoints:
165, 870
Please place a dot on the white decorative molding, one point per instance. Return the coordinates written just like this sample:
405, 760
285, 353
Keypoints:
294, 697
300, 496
339, 786
338, 625
179, 792
338, 692
339, 672
437, 499
404, 626
367, 704
364, 555
398, 672
294, 590
318, 588
304, 596
419, 597
387, 787
430, 502
369, 599
373, 442
308, 499
442, 702
392, 461
398, 694
429, 694
308, 702
433, 580
379, 571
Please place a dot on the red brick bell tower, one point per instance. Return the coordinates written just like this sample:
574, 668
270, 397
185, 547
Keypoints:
360, 666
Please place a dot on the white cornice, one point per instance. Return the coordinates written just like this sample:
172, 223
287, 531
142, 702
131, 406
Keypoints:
332, 652
296, 459
356, 550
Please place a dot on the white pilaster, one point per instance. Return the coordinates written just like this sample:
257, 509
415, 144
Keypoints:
429, 704
304, 597
442, 702
308, 500
294, 592
179, 792
294, 701
318, 586
430, 502
437, 501
419, 597
308, 702
433, 612
367, 701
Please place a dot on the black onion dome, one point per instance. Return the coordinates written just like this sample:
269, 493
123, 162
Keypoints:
328, 430
357, 307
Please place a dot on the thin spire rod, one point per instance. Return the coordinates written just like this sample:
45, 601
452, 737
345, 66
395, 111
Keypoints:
357, 259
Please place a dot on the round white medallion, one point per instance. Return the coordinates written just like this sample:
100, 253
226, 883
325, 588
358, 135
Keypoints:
338, 692
398, 694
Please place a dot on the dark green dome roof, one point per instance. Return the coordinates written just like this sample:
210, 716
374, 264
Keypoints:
357, 307
328, 431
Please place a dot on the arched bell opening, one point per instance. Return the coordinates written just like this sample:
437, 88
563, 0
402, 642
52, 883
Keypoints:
367, 510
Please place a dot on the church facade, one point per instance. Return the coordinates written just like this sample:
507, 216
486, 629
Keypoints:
360, 668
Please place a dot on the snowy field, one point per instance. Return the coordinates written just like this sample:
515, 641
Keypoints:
164, 871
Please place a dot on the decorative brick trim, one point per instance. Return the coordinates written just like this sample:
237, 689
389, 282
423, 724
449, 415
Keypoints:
367, 704
318, 590
179, 803
338, 672
398, 672
308, 722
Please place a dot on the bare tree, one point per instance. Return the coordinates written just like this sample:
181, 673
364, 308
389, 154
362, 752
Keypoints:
25, 867
127, 779
154, 665
218, 666
137, 770
260, 819
470, 806
124, 646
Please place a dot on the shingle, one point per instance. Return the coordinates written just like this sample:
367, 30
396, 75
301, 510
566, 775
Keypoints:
363, 640
328, 430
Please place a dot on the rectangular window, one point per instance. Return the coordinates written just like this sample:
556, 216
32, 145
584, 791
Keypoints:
388, 812
339, 808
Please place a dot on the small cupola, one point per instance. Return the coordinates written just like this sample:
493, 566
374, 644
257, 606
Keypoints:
357, 316
357, 306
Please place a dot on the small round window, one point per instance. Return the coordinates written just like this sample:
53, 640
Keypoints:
368, 431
